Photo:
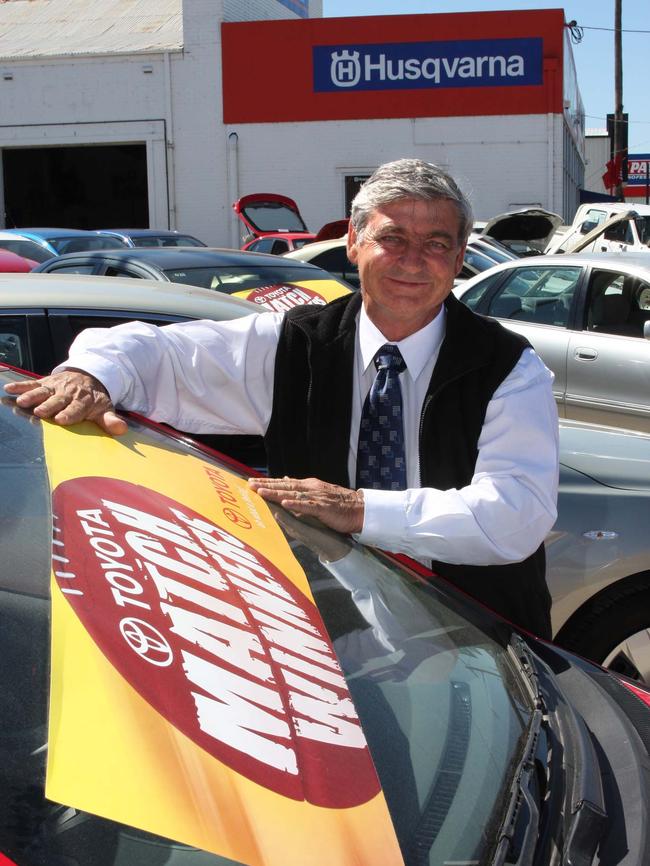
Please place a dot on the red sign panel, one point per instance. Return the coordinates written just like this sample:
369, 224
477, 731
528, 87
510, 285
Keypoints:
460, 64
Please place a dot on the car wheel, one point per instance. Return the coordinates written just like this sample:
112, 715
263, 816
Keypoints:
613, 629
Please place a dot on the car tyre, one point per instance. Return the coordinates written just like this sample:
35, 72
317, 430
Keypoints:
613, 628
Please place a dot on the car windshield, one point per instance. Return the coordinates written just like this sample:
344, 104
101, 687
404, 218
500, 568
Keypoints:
271, 216
78, 244
235, 279
439, 700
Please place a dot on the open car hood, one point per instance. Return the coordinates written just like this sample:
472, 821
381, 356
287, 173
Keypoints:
532, 225
333, 230
579, 242
268, 213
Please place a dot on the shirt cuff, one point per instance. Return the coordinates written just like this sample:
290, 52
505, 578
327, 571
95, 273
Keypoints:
383, 508
104, 371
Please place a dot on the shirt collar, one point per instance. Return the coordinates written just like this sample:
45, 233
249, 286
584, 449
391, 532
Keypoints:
416, 349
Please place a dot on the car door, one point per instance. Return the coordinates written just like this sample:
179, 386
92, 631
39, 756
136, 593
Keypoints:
538, 301
608, 365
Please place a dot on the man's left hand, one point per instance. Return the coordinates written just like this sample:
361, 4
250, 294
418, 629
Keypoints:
337, 507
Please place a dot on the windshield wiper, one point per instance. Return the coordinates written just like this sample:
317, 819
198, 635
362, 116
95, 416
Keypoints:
523, 807
579, 818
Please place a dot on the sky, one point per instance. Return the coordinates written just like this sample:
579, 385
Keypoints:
594, 55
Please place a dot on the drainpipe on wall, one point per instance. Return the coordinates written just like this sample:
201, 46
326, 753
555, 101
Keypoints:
233, 185
169, 143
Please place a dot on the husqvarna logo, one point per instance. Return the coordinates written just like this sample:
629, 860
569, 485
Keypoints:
345, 69
417, 65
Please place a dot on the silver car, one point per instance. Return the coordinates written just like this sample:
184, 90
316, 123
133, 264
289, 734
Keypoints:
588, 316
598, 552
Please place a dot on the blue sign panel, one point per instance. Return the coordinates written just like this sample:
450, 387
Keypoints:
638, 169
300, 7
413, 65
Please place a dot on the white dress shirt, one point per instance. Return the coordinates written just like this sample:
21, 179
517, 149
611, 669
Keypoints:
217, 377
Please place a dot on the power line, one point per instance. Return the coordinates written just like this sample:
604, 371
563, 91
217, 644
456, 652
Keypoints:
629, 122
577, 30
611, 29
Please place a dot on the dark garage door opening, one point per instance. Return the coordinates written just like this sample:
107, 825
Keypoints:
93, 187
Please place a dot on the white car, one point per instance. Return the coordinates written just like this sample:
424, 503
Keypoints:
631, 235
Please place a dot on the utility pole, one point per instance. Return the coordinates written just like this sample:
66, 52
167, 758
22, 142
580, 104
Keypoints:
618, 92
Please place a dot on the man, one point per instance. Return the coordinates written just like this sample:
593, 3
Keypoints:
471, 425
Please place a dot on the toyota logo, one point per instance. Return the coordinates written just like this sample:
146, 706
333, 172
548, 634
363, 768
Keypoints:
147, 642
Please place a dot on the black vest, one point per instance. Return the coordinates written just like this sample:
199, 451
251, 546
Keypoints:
309, 431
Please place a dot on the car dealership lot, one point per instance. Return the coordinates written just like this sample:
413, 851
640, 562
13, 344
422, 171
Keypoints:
598, 554
214, 656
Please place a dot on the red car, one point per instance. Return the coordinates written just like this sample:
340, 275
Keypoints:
274, 224
11, 263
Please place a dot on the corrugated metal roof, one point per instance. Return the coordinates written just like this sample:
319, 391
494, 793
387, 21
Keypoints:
54, 28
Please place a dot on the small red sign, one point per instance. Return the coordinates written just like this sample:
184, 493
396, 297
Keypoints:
213, 636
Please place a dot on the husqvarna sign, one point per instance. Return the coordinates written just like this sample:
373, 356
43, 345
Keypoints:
411, 65
475, 64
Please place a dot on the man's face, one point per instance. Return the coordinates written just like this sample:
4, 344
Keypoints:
408, 257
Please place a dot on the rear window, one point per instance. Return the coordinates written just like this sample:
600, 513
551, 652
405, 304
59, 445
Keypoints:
231, 280
77, 245
167, 241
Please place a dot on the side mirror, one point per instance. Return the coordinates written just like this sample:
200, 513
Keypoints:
587, 226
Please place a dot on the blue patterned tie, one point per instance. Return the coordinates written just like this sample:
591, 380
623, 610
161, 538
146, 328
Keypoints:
381, 464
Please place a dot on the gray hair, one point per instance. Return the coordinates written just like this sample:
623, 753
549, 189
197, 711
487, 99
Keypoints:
409, 178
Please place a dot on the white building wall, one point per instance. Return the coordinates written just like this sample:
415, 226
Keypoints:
597, 152
309, 161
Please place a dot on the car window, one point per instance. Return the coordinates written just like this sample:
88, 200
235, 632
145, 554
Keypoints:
542, 295
618, 304
70, 268
121, 272
279, 247
94, 242
263, 245
66, 325
476, 261
595, 216
621, 232
493, 252
474, 296
166, 241
642, 227
272, 216
28, 249
336, 261
14, 346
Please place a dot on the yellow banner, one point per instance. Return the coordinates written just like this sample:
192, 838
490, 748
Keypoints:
195, 692
284, 296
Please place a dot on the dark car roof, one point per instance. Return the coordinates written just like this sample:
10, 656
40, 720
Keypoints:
180, 257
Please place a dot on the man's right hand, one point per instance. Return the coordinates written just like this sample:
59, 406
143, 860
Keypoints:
67, 398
